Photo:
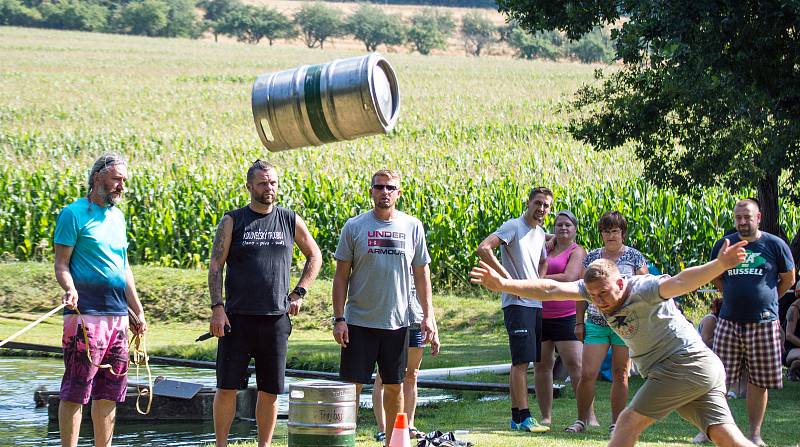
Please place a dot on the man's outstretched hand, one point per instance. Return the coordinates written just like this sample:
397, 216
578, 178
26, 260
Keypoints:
732, 255
486, 276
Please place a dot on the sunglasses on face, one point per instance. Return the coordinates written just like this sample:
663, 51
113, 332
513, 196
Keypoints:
389, 188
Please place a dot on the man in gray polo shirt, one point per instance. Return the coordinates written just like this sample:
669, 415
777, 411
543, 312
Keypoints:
682, 373
371, 289
522, 256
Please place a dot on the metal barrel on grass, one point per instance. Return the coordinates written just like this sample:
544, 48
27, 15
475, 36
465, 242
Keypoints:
316, 104
322, 414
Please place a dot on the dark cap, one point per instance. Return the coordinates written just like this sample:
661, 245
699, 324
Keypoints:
569, 215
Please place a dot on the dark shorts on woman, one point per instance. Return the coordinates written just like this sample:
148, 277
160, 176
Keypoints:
264, 338
559, 329
524, 326
415, 338
386, 347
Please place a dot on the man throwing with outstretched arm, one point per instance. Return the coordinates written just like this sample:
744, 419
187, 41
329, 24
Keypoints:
371, 289
682, 373
255, 243
91, 265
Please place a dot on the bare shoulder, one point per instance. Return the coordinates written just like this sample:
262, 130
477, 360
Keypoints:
794, 310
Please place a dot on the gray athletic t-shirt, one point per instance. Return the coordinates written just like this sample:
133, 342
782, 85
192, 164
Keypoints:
382, 253
652, 327
628, 264
522, 248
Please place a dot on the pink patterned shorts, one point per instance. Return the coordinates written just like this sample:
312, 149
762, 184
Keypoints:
108, 344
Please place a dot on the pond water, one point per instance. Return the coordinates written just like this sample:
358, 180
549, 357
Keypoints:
21, 424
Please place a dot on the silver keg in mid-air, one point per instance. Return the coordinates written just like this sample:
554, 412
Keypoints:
317, 104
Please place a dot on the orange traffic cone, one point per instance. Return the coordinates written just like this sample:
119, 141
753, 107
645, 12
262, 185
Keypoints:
400, 432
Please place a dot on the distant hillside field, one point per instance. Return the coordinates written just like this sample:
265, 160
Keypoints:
475, 134
405, 10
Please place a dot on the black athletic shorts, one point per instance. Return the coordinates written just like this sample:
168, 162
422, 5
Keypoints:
415, 336
559, 329
387, 347
524, 326
260, 337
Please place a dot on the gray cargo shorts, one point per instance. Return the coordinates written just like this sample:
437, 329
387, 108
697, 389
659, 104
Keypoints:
693, 384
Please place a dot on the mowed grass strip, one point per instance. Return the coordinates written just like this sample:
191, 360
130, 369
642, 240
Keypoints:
177, 307
472, 334
486, 416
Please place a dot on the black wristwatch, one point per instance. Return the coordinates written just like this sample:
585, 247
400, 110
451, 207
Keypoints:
301, 292
218, 303
337, 319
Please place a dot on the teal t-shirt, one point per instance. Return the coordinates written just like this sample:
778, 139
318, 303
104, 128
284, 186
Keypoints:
99, 256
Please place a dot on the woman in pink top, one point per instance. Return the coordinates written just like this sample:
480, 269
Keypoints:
564, 263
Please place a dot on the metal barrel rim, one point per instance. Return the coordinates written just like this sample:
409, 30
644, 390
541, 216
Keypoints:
316, 104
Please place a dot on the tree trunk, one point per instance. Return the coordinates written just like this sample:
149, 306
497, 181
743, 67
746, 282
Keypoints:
768, 196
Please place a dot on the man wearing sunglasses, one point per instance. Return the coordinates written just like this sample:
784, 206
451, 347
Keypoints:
254, 245
371, 289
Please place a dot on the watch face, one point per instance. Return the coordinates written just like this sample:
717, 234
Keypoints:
300, 291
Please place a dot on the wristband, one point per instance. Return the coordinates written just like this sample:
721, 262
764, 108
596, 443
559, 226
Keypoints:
580, 323
218, 303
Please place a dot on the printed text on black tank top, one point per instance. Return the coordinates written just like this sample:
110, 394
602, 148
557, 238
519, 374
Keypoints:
263, 238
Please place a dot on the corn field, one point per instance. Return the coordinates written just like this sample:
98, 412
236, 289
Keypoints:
474, 136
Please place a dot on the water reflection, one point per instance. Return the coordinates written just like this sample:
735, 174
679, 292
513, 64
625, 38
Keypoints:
21, 424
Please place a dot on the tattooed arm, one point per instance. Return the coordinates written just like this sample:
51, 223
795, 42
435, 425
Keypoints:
219, 253
308, 246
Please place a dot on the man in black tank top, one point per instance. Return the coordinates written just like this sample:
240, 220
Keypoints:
255, 243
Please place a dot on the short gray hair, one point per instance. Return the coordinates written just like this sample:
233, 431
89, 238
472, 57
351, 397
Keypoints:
259, 165
103, 164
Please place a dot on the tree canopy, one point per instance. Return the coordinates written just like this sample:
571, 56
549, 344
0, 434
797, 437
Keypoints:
430, 30
373, 27
318, 23
541, 45
708, 95
479, 32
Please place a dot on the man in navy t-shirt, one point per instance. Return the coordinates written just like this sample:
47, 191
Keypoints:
748, 332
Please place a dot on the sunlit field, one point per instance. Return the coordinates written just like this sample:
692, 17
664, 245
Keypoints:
474, 135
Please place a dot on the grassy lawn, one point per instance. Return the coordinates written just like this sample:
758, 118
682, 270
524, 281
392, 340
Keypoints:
486, 416
176, 305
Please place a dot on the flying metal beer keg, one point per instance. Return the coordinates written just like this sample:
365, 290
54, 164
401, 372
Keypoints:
317, 104
322, 414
